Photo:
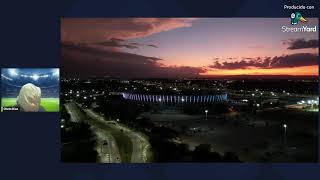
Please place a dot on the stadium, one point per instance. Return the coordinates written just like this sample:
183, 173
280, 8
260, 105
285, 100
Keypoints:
177, 99
47, 79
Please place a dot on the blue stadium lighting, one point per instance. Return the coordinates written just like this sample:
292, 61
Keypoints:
56, 72
12, 72
176, 98
35, 77
34, 74
44, 76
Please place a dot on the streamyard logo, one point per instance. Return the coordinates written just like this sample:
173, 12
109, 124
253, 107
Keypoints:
296, 19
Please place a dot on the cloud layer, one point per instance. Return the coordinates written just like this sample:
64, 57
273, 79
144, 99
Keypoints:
106, 47
301, 44
92, 30
286, 61
84, 60
118, 43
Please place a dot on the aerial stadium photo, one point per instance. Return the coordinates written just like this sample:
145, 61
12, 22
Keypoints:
30, 89
188, 90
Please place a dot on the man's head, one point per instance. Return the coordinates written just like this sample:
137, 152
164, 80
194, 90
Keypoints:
29, 98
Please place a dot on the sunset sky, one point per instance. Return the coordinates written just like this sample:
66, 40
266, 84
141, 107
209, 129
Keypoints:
186, 47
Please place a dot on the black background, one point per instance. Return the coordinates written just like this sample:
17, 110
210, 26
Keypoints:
30, 37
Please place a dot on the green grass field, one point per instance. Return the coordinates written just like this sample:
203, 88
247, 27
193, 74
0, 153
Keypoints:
49, 104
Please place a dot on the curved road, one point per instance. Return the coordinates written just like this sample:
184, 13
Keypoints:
106, 145
140, 145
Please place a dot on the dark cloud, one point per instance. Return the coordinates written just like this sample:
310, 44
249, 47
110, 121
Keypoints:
152, 45
301, 43
94, 51
135, 44
116, 43
83, 61
92, 30
117, 39
294, 60
139, 44
287, 61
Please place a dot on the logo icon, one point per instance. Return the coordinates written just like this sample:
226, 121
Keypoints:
296, 17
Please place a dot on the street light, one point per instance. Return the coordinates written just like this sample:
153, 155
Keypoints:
285, 134
206, 111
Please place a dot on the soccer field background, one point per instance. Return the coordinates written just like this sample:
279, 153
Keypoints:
49, 104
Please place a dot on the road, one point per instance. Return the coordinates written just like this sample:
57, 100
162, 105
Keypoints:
106, 145
141, 146
73, 111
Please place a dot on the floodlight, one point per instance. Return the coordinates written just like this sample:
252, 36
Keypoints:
12, 72
35, 77
56, 72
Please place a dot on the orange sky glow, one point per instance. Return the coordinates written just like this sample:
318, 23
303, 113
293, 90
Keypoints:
296, 71
191, 47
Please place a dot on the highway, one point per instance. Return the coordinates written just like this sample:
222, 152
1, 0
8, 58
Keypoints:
72, 109
141, 146
106, 145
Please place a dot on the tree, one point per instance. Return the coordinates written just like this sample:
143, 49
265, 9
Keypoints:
78, 143
230, 157
201, 153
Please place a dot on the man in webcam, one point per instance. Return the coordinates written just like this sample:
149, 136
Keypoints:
29, 99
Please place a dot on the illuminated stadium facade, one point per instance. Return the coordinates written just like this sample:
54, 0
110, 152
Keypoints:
177, 99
